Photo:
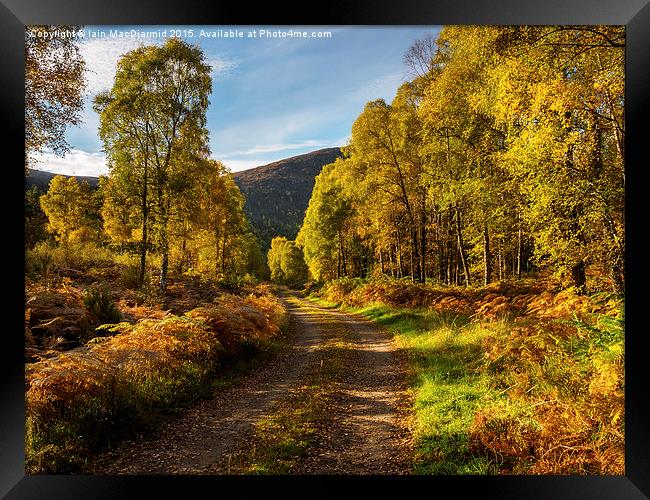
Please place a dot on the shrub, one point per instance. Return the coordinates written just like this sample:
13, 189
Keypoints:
572, 373
99, 302
81, 400
250, 280
126, 259
40, 261
45, 258
130, 277
76, 400
232, 283
84, 255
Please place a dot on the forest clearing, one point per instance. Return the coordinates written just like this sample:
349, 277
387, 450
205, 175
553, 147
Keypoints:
443, 294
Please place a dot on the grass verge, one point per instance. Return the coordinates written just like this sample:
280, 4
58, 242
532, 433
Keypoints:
513, 396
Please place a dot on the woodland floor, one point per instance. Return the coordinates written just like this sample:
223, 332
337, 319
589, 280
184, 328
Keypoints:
336, 392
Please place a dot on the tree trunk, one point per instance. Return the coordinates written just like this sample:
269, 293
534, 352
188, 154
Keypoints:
423, 245
412, 260
439, 242
487, 267
618, 281
448, 244
461, 249
143, 251
145, 220
500, 260
400, 263
217, 251
164, 238
579, 277
519, 252
223, 251
165, 263
450, 258
344, 260
180, 267
338, 260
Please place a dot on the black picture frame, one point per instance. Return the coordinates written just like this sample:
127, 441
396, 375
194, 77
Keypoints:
634, 14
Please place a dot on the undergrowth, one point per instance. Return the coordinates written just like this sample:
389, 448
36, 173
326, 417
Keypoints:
507, 379
82, 401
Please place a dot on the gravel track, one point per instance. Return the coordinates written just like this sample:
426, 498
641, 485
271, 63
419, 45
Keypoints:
367, 434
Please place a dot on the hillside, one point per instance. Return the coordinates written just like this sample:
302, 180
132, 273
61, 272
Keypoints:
277, 194
42, 179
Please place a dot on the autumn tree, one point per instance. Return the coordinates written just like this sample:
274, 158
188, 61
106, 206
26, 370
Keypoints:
219, 215
35, 218
256, 262
151, 122
566, 84
286, 262
385, 142
323, 234
54, 88
71, 210
120, 218
462, 143
504, 153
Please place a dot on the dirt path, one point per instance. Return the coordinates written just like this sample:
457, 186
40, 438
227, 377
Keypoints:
366, 434
368, 421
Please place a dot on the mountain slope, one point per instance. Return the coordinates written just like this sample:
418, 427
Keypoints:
277, 194
42, 179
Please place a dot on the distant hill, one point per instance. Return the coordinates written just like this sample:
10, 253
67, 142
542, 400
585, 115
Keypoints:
42, 180
277, 194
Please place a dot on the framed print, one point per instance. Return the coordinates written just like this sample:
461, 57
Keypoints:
393, 246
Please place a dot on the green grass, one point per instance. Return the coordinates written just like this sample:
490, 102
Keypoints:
323, 303
445, 356
495, 397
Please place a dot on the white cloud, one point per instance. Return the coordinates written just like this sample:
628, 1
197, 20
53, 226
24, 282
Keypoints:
343, 141
238, 165
102, 55
75, 162
273, 148
221, 67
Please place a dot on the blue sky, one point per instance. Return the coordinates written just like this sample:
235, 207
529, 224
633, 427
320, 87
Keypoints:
272, 97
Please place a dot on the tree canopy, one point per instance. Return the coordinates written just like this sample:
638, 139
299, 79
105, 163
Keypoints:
54, 89
152, 123
503, 154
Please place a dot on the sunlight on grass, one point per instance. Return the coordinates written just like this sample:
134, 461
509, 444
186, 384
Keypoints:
443, 351
536, 394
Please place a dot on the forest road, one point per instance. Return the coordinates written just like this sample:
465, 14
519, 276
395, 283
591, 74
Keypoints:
367, 431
